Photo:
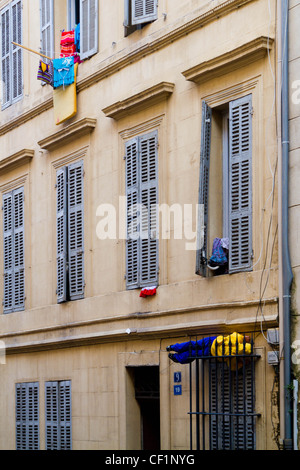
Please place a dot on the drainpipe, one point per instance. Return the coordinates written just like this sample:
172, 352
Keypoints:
287, 274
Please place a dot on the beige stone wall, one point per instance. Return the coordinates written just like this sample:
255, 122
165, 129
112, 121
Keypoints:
93, 331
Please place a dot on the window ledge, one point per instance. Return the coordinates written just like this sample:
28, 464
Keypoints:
146, 98
230, 61
15, 160
73, 131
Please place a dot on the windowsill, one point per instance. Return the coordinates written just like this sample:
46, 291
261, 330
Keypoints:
77, 129
15, 160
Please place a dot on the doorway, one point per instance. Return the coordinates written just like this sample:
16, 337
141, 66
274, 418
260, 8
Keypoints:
145, 381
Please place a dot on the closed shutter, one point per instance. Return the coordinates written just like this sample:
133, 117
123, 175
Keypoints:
5, 56
144, 11
8, 252
132, 195
202, 235
27, 416
17, 55
88, 28
240, 184
149, 214
19, 281
75, 231
47, 28
52, 416
232, 400
65, 411
61, 234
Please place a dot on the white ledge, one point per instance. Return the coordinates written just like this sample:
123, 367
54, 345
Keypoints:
72, 131
15, 160
230, 61
142, 100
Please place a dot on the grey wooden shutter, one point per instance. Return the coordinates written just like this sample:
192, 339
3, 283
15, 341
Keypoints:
148, 205
144, 11
232, 406
8, 252
52, 416
5, 56
61, 234
47, 28
132, 196
27, 416
88, 28
18, 249
240, 184
75, 231
65, 411
202, 235
17, 54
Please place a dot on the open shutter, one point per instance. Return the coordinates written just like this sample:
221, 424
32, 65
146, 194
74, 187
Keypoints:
18, 249
240, 184
51, 415
8, 252
75, 231
144, 11
5, 56
47, 28
88, 28
149, 214
65, 412
202, 235
27, 416
132, 196
61, 234
17, 55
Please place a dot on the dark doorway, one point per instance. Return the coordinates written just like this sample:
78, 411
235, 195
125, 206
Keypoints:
146, 385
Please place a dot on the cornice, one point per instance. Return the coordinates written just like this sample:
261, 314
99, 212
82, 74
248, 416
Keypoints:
153, 44
26, 116
15, 160
230, 61
142, 100
63, 136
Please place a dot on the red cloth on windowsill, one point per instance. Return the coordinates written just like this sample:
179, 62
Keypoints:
148, 291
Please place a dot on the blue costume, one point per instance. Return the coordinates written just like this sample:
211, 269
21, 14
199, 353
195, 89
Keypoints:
186, 352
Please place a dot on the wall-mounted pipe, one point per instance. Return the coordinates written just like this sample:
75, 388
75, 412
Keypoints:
287, 274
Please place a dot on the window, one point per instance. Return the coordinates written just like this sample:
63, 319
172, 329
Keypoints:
27, 416
70, 242
85, 13
47, 27
58, 414
142, 220
222, 397
11, 55
232, 126
138, 13
13, 236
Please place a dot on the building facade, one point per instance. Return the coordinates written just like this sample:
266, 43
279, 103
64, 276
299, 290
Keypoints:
173, 109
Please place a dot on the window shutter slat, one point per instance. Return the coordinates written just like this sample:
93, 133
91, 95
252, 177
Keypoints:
27, 416
17, 54
65, 415
144, 11
148, 216
202, 235
61, 233
75, 230
8, 252
19, 268
88, 28
52, 416
132, 195
5, 56
240, 184
47, 28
